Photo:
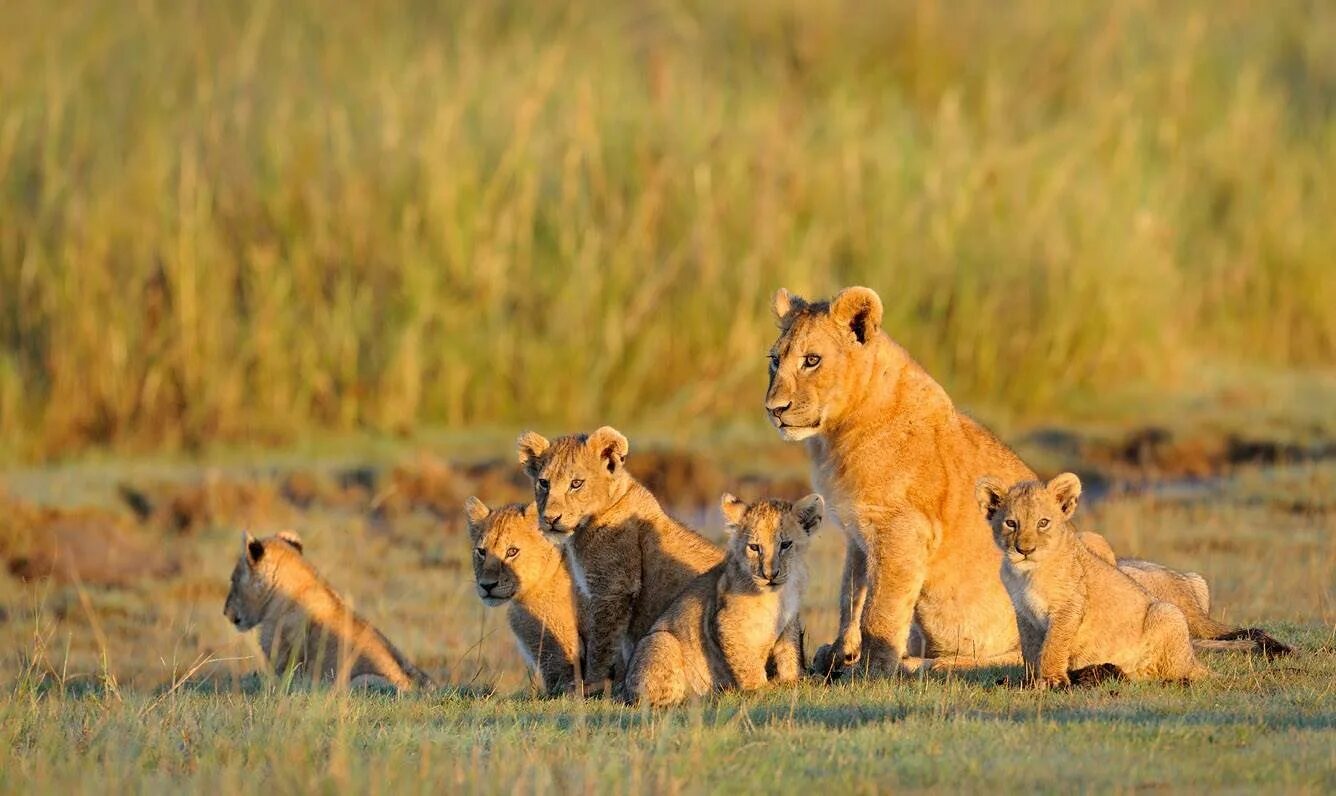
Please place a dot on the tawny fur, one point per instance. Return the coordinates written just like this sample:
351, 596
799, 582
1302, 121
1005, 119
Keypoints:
305, 625
738, 617
514, 564
1074, 609
628, 558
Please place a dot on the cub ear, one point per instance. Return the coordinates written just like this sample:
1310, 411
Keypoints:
785, 302
532, 446
475, 510
292, 539
810, 511
251, 548
990, 493
733, 510
1066, 489
611, 447
858, 309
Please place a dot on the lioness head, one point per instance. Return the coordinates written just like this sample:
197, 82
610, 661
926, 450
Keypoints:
822, 354
768, 538
574, 477
509, 553
1029, 518
256, 576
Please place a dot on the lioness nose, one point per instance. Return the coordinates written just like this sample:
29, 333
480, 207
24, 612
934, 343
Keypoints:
778, 409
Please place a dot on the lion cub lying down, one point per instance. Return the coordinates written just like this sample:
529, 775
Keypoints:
513, 562
304, 625
737, 618
1074, 609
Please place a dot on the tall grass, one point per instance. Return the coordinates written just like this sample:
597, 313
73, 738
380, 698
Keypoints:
226, 220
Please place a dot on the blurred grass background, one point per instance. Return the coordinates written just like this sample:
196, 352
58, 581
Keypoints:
242, 221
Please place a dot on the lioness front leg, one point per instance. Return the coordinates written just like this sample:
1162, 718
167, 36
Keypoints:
609, 618
832, 659
897, 567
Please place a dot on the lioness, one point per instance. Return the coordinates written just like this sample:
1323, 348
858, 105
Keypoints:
897, 465
628, 558
513, 562
732, 621
304, 625
1075, 609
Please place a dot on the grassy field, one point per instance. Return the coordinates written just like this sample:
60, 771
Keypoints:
138, 682
240, 221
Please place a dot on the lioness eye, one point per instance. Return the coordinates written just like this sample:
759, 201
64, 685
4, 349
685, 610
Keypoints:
511, 552
577, 483
544, 484
811, 361
755, 548
1010, 525
479, 552
1043, 523
786, 544
774, 361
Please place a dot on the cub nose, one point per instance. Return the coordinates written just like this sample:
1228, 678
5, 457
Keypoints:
487, 587
1025, 551
552, 519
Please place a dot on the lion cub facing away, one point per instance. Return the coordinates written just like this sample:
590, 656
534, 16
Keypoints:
513, 562
304, 624
1074, 609
731, 622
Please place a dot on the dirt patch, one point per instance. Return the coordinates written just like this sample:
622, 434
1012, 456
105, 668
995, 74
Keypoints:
87, 546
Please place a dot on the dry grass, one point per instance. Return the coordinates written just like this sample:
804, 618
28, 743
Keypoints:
225, 221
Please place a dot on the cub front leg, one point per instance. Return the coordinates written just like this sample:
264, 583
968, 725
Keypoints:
786, 657
609, 617
1056, 654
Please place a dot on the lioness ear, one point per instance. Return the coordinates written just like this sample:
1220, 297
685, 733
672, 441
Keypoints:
532, 446
292, 538
611, 447
475, 510
810, 510
859, 309
785, 302
251, 548
733, 510
989, 492
1066, 489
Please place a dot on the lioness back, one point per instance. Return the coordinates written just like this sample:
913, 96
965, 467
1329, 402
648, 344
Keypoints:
513, 563
738, 621
304, 624
1074, 609
628, 558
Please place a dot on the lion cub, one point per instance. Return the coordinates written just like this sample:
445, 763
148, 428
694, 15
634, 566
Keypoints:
628, 558
731, 622
512, 562
304, 624
1074, 609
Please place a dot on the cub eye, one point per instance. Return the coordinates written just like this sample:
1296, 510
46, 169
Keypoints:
511, 552
577, 483
544, 484
1043, 523
479, 552
755, 548
774, 361
811, 361
1010, 525
786, 544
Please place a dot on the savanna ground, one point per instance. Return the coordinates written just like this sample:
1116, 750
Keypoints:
311, 265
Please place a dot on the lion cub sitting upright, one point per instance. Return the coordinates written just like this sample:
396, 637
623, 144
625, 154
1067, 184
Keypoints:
1074, 609
304, 624
629, 559
731, 622
512, 562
